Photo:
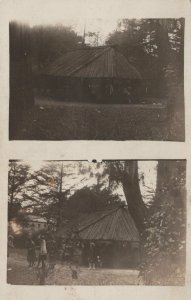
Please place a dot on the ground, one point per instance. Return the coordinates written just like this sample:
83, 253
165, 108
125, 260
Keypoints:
19, 273
53, 120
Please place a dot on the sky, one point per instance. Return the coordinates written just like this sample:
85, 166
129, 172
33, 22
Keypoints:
79, 16
96, 15
79, 25
149, 169
77, 180
103, 26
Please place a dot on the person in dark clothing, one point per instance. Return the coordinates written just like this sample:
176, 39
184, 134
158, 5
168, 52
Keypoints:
31, 253
51, 250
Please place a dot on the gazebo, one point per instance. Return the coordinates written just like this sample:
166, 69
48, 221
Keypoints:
114, 233
92, 74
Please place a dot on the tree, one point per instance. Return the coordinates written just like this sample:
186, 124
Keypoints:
47, 189
126, 174
91, 199
94, 38
19, 174
111, 175
164, 235
162, 223
171, 178
45, 192
155, 47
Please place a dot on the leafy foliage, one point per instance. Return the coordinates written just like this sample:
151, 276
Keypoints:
155, 47
90, 199
141, 37
18, 176
164, 238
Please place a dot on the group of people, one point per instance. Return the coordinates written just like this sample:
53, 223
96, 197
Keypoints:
81, 253
44, 249
94, 259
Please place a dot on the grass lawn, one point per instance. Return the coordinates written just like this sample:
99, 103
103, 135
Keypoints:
19, 273
69, 121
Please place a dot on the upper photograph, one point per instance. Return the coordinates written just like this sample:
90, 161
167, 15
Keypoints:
97, 79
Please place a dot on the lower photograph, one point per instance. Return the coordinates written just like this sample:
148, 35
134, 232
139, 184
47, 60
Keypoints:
115, 222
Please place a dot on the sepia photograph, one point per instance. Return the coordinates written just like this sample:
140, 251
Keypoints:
115, 222
97, 79
95, 126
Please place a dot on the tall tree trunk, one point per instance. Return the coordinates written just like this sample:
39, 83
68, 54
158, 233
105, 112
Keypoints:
131, 188
168, 66
163, 43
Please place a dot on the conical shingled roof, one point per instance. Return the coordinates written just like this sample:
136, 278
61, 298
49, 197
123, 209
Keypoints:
93, 62
114, 224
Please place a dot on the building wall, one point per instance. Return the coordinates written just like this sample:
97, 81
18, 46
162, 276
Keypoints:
35, 226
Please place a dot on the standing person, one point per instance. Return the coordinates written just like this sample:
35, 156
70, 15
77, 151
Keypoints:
76, 261
92, 255
127, 95
43, 252
51, 250
10, 244
31, 253
77, 254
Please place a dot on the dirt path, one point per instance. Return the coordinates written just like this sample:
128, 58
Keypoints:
19, 273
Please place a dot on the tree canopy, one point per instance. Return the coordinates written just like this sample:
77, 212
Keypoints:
156, 48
